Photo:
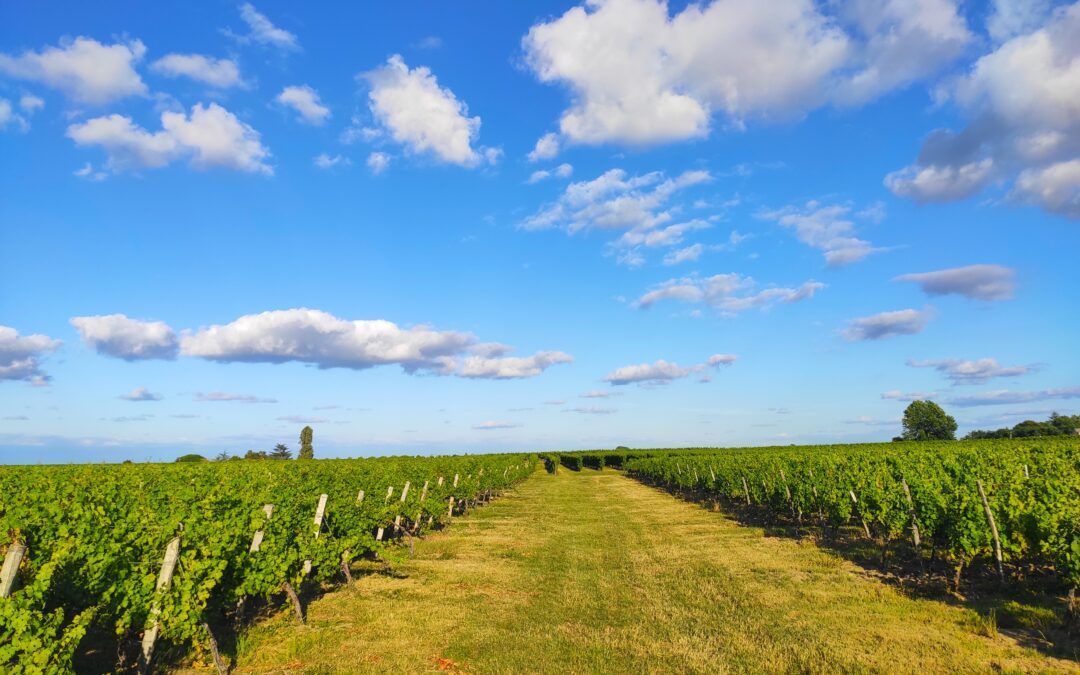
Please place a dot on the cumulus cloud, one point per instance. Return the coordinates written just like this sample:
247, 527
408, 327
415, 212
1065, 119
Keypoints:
140, 394
1005, 396
325, 161
378, 162
20, 355
886, 325
326, 341
217, 73
84, 69
509, 367
492, 425
547, 147
729, 293
977, 371
226, 397
28, 105
977, 282
660, 372
687, 254
129, 339
262, 31
663, 372
830, 229
642, 207
210, 137
561, 171
597, 393
638, 74
305, 101
424, 117
1024, 119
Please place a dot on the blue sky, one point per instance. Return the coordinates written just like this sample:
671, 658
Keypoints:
423, 227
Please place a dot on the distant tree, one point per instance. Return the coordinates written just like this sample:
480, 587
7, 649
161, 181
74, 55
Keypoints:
1056, 425
255, 454
191, 458
926, 421
222, 456
306, 450
280, 451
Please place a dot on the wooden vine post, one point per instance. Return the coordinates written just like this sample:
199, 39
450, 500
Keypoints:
865, 527
405, 491
455, 480
914, 522
746, 490
168, 567
423, 493
993, 529
12, 560
450, 511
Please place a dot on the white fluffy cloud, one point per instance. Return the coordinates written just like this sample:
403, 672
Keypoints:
547, 147
729, 293
129, 339
424, 117
977, 371
305, 101
509, 367
325, 161
20, 355
210, 137
1005, 396
1023, 103
642, 206
319, 338
378, 162
886, 325
262, 31
830, 229
84, 69
978, 282
28, 104
686, 254
663, 372
217, 73
638, 74
140, 394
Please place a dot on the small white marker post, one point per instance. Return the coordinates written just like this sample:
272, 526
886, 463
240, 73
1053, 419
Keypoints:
379, 534
257, 538
320, 510
168, 567
405, 491
359, 496
455, 480
993, 529
389, 494
450, 511
440, 481
746, 490
423, 493
12, 560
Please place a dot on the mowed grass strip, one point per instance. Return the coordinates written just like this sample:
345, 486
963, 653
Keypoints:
594, 572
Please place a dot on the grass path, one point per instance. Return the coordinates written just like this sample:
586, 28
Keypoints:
594, 572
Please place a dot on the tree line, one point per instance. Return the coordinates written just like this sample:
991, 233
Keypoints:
927, 421
280, 451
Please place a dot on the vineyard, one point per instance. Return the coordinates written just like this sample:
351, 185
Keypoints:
1011, 504
163, 552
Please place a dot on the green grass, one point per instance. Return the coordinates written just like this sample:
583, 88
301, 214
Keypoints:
593, 572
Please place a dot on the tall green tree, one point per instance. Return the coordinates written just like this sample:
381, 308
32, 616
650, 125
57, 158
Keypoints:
306, 450
280, 451
926, 421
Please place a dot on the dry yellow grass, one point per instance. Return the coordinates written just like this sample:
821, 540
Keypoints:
594, 572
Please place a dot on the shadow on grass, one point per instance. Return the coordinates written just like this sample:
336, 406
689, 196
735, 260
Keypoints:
1029, 606
102, 651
